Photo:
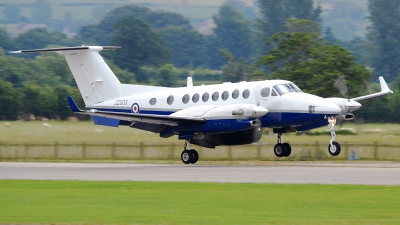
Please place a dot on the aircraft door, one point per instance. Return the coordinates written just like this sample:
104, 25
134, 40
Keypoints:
271, 100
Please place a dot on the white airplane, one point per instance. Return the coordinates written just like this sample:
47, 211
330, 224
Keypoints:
206, 115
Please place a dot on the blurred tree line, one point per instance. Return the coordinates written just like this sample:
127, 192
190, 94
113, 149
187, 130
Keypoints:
285, 41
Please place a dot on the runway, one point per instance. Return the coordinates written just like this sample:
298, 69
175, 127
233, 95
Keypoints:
293, 173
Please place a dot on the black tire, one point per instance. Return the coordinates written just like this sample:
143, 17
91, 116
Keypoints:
195, 156
279, 150
288, 149
336, 149
187, 156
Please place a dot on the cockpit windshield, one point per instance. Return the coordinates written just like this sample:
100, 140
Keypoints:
297, 89
285, 88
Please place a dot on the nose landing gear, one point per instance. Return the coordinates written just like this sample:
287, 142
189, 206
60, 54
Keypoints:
189, 155
333, 147
282, 149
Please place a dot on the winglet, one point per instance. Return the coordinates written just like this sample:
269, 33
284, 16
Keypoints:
384, 86
73, 105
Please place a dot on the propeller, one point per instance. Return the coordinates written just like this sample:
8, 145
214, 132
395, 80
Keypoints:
348, 106
341, 85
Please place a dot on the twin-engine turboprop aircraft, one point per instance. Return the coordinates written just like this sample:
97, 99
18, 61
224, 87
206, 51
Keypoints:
206, 115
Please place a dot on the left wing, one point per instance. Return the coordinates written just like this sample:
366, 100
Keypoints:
141, 118
384, 91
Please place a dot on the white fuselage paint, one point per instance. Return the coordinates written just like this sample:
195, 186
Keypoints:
294, 103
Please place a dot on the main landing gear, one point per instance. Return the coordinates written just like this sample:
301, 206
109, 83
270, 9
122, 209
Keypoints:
189, 155
333, 147
282, 149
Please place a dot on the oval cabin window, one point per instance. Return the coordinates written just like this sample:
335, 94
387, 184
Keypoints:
246, 93
225, 95
185, 99
170, 100
195, 98
235, 94
215, 96
205, 97
153, 101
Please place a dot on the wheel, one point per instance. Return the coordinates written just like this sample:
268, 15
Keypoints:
195, 156
279, 150
334, 150
187, 156
288, 149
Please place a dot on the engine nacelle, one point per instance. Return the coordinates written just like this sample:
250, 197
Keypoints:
347, 106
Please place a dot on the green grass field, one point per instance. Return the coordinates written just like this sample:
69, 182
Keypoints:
78, 132
74, 202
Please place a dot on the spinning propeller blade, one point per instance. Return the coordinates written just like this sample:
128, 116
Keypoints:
341, 85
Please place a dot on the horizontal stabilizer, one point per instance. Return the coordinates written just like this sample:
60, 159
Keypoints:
73, 105
63, 49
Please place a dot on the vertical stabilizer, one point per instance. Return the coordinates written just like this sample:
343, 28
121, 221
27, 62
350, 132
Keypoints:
95, 80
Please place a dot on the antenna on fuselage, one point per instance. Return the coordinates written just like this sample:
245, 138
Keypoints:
189, 82
190, 78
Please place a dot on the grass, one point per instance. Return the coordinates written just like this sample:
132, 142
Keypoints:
78, 132
75, 202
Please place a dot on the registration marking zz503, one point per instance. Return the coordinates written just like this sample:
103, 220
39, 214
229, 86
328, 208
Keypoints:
121, 102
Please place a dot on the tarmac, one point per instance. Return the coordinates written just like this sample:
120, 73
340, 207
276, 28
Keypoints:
283, 173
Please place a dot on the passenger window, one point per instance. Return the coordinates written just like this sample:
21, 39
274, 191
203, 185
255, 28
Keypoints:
246, 93
235, 94
185, 99
265, 92
215, 96
195, 98
273, 93
153, 101
170, 100
205, 97
225, 95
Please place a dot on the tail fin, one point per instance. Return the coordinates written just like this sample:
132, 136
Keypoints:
95, 80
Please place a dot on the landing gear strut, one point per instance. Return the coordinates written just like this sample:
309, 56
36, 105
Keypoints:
189, 155
282, 149
333, 147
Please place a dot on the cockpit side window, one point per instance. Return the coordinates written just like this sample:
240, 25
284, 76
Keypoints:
273, 93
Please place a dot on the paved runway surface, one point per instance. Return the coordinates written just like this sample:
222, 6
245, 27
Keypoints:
297, 173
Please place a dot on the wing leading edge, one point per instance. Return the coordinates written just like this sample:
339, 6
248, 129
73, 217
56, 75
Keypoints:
141, 118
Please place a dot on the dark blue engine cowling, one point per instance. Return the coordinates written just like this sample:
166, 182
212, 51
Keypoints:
236, 138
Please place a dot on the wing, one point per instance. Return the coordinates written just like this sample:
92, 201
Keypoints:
384, 91
140, 118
